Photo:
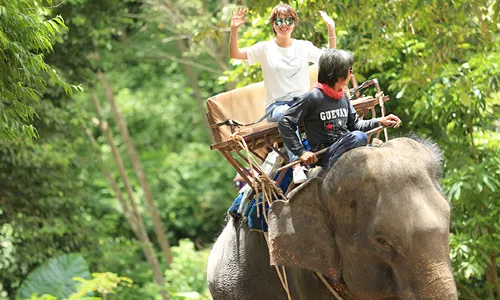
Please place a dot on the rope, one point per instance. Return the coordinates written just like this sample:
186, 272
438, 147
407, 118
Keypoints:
243, 145
284, 282
283, 279
382, 111
268, 189
328, 286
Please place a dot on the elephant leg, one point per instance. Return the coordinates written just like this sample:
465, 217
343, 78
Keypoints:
239, 268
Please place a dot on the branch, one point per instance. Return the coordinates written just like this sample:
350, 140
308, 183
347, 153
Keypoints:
471, 294
47, 7
169, 9
109, 177
483, 23
176, 38
217, 57
473, 145
182, 61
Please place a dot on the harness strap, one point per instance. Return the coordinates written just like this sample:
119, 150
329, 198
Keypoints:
231, 122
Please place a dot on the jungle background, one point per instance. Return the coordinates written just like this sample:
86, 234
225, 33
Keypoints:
105, 168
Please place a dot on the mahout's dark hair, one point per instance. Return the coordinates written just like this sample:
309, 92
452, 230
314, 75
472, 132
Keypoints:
334, 64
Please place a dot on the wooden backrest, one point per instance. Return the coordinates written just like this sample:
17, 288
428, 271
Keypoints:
245, 105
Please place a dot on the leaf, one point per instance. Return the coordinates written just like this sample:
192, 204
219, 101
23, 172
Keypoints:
455, 191
54, 277
488, 183
402, 92
465, 98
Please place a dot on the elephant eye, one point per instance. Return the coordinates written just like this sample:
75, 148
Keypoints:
383, 244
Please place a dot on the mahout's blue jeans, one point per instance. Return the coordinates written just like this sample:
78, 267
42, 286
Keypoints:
347, 142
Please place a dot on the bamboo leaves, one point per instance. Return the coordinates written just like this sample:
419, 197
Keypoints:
25, 37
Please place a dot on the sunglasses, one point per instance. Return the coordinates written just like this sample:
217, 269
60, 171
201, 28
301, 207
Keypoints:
288, 21
350, 70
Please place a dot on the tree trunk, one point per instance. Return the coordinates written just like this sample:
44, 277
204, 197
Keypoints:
134, 158
133, 217
495, 274
108, 176
193, 81
469, 292
492, 278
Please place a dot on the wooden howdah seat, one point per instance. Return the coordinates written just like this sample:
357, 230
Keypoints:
228, 113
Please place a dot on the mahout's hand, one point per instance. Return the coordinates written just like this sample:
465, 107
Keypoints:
309, 158
390, 121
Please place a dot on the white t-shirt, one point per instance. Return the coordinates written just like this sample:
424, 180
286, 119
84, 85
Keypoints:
285, 70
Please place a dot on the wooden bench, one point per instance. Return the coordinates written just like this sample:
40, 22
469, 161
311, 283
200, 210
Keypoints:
245, 105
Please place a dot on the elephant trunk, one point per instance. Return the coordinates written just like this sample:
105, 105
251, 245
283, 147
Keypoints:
428, 281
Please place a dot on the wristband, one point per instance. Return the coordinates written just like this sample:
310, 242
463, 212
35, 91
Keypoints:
332, 37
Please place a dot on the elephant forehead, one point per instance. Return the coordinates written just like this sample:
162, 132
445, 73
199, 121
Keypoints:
400, 159
394, 173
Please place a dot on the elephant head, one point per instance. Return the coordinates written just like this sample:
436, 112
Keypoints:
377, 221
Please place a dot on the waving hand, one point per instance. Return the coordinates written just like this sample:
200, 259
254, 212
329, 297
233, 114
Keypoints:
239, 18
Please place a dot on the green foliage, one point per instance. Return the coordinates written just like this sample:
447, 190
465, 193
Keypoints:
167, 132
474, 191
194, 197
103, 283
463, 106
96, 28
186, 277
25, 37
200, 35
120, 253
54, 277
438, 61
45, 207
43, 297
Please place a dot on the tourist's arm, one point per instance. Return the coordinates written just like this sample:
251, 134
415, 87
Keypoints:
236, 21
332, 36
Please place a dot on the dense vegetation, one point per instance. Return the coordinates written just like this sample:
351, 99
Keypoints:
104, 147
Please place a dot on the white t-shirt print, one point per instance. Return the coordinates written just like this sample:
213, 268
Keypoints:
285, 70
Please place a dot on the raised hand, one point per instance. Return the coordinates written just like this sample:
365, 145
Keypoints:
239, 18
329, 21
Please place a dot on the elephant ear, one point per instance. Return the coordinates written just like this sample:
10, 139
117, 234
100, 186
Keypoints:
300, 233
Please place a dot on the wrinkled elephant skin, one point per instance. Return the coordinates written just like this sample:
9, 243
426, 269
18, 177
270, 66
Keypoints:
376, 226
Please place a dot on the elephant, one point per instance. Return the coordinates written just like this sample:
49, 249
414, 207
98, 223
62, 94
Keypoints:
375, 226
